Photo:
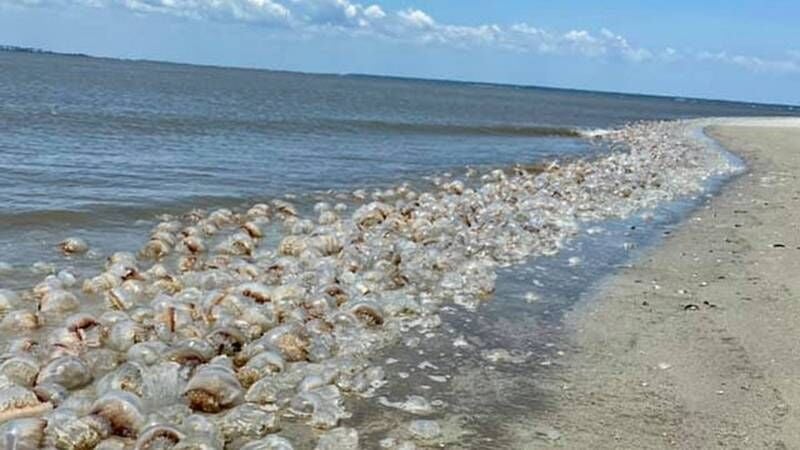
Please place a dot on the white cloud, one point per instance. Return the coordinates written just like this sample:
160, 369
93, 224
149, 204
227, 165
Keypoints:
417, 19
753, 63
374, 12
416, 26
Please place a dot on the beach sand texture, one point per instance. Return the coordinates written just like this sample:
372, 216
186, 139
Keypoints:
697, 344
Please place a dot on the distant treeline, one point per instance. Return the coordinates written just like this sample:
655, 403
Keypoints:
17, 49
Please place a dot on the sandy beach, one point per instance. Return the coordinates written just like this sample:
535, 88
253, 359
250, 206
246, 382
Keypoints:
694, 345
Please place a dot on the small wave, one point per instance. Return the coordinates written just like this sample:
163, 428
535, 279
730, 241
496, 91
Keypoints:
594, 133
92, 214
462, 129
194, 125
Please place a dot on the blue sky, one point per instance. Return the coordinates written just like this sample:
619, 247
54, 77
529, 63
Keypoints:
742, 50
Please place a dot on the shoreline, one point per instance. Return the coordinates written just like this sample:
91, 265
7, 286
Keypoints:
692, 345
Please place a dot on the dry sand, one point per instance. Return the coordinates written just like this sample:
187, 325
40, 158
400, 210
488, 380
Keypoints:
697, 345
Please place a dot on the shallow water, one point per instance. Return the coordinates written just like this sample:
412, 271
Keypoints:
91, 146
482, 400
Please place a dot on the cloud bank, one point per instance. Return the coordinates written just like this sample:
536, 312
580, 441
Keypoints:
345, 17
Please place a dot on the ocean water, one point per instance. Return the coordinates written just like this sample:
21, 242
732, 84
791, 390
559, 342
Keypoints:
100, 147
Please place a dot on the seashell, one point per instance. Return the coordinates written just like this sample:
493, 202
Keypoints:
20, 369
272, 442
68, 371
58, 300
76, 433
20, 320
158, 436
292, 245
213, 388
122, 410
23, 434
247, 421
73, 246
253, 230
17, 402
369, 313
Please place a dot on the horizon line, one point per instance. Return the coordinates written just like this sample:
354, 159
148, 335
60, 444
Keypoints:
45, 52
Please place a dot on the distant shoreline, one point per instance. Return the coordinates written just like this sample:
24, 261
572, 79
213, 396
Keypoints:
39, 51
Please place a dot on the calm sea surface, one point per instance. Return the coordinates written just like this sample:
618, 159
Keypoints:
99, 147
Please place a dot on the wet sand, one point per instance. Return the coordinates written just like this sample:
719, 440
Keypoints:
695, 345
